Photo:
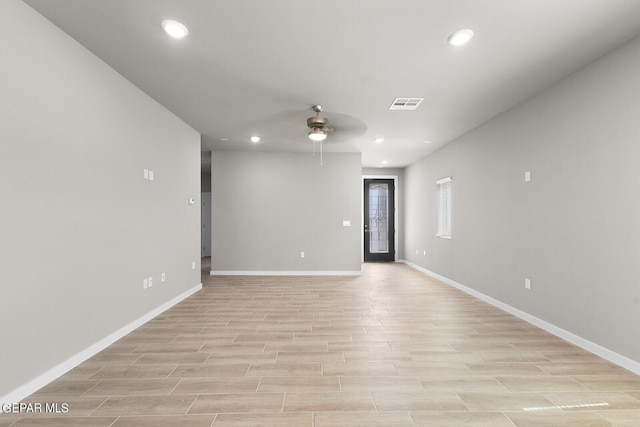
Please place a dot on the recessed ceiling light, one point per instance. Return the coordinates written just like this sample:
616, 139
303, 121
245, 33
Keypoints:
460, 37
175, 29
428, 142
378, 140
384, 162
224, 139
255, 139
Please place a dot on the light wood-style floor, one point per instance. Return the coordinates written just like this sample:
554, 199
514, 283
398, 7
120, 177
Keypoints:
392, 347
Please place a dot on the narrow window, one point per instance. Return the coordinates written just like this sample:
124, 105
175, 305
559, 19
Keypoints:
444, 207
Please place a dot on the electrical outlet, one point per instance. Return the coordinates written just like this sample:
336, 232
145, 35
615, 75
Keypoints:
301, 254
163, 277
150, 281
527, 176
146, 174
424, 253
193, 265
145, 283
527, 284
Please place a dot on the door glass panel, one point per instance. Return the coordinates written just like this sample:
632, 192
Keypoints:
379, 218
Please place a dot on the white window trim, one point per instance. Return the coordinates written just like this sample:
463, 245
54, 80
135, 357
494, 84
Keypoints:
447, 224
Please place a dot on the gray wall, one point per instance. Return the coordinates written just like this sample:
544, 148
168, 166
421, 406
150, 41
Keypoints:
400, 208
574, 230
269, 207
80, 226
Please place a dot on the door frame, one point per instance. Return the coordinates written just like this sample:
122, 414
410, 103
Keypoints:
205, 224
395, 214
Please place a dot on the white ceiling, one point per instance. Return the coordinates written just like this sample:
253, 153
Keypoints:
257, 66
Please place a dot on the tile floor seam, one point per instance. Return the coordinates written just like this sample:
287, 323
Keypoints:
99, 406
94, 386
97, 372
169, 375
373, 400
463, 401
504, 414
627, 393
197, 396
177, 384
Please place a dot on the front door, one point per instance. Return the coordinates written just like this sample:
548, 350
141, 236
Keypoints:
379, 224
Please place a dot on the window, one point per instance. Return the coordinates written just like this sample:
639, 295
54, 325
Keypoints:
444, 207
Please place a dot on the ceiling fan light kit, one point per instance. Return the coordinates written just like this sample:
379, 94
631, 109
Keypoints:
317, 135
317, 125
318, 129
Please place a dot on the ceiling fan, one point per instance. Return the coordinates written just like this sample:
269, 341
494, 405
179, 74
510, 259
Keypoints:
318, 129
318, 125
322, 127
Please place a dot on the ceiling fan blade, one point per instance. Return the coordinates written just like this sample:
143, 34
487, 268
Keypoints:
343, 128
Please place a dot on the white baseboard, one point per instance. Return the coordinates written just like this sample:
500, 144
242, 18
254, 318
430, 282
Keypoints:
37, 383
284, 273
591, 347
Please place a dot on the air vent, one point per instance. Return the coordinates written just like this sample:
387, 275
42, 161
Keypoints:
405, 103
